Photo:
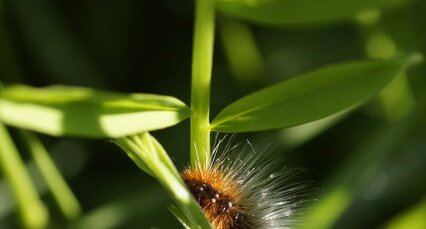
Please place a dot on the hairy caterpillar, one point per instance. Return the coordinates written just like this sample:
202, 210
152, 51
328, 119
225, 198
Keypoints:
243, 192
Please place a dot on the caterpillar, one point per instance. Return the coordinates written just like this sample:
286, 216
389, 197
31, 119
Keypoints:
244, 191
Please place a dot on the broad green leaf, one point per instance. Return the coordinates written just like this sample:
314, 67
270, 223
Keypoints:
300, 12
75, 111
311, 96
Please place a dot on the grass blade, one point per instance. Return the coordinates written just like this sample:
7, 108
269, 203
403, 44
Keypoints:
33, 213
61, 192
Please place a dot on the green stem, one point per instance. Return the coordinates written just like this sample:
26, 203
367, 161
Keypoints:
202, 58
33, 212
61, 192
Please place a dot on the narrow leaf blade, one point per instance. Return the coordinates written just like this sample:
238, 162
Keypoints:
84, 112
311, 96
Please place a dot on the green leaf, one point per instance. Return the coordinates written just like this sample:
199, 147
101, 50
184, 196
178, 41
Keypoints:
180, 216
76, 111
32, 211
145, 150
64, 197
310, 96
300, 12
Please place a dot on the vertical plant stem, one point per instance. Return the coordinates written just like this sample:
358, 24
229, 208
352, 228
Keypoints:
33, 212
202, 57
61, 192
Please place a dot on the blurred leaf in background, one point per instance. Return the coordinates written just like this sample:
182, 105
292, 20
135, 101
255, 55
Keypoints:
302, 12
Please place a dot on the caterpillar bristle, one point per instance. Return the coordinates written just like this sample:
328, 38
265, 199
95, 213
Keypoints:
241, 190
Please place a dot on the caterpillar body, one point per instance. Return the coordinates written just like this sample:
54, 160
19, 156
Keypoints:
243, 192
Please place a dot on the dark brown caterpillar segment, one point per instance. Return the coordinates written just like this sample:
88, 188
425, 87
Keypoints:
218, 199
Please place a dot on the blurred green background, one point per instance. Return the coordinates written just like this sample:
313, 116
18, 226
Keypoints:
368, 166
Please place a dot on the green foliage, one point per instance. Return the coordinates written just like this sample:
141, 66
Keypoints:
300, 12
31, 209
372, 156
150, 156
413, 218
382, 167
310, 96
64, 197
75, 111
